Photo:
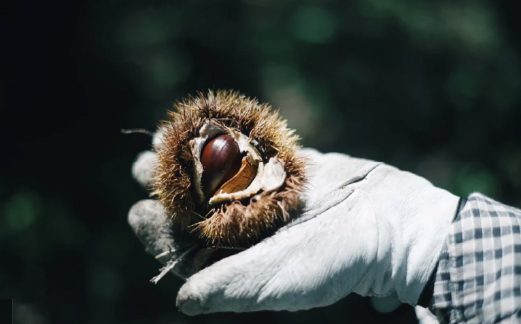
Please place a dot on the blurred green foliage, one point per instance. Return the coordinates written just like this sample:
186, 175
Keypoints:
433, 87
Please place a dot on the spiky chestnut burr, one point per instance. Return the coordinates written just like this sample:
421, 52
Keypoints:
237, 206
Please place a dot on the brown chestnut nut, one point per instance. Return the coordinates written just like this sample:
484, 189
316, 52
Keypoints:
221, 159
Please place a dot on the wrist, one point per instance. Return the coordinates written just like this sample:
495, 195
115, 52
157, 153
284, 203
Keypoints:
421, 243
414, 219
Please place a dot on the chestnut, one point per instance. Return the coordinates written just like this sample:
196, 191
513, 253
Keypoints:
221, 159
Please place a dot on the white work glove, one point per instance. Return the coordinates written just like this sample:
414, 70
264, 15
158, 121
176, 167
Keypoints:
367, 228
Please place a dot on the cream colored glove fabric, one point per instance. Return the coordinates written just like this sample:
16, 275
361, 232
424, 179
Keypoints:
367, 228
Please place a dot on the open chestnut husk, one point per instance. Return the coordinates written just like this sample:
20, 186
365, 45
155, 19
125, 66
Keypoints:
228, 168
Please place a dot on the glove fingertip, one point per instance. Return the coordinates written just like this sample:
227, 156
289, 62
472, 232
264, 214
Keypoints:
146, 214
187, 302
157, 140
142, 168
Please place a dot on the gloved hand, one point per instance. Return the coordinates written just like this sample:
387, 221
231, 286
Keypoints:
367, 228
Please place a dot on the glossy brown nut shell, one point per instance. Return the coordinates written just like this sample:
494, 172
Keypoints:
221, 160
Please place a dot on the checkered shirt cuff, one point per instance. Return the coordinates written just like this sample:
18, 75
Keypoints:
478, 279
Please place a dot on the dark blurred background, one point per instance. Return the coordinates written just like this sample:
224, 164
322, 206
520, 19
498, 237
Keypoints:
432, 87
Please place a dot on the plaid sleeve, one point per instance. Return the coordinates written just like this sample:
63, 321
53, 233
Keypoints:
479, 273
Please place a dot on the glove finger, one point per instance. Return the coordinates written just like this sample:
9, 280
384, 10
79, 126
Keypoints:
142, 168
157, 232
159, 136
314, 263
